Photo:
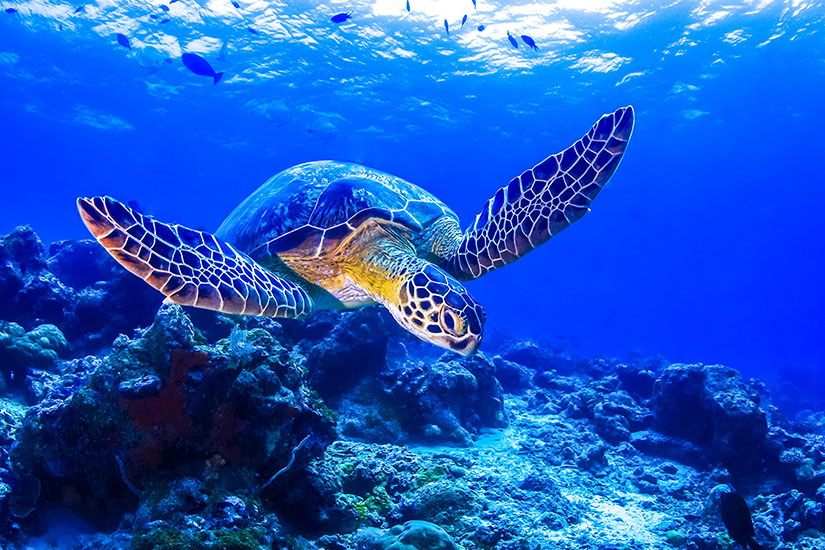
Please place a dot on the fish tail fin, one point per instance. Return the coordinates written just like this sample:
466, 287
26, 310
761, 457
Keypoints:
217, 78
753, 545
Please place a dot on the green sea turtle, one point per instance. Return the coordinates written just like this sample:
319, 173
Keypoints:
326, 235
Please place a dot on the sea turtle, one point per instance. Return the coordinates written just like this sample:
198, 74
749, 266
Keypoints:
327, 234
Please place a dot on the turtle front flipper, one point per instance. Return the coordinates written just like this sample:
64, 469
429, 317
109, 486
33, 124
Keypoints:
189, 267
543, 200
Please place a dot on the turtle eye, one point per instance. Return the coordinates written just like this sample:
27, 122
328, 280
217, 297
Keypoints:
452, 322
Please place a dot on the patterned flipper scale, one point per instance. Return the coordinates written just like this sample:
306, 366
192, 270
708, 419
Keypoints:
543, 200
190, 267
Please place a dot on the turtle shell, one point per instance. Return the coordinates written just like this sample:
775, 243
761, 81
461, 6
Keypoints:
314, 205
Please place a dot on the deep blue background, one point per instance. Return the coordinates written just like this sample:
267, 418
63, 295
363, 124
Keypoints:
708, 245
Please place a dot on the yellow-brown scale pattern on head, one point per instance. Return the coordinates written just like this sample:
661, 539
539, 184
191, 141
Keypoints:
423, 299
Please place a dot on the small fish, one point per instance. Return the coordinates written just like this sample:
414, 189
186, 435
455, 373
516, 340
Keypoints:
474, 5
463, 20
200, 66
172, 1
253, 31
512, 40
447, 26
481, 28
164, 7
11, 10
123, 41
79, 9
737, 518
529, 41
408, 5
164, 20
153, 15
340, 17
237, 6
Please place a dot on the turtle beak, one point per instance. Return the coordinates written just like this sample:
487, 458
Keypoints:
467, 346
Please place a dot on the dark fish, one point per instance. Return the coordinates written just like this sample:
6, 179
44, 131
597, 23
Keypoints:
529, 41
447, 26
737, 518
340, 17
11, 10
79, 9
123, 41
253, 31
408, 5
512, 40
172, 1
200, 66
164, 7
463, 20
164, 20
481, 28
153, 15
238, 6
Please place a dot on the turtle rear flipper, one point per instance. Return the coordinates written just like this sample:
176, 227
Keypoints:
543, 200
190, 267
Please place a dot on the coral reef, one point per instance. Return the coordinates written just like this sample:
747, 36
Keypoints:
127, 424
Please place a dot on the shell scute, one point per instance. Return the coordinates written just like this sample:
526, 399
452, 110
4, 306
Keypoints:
313, 205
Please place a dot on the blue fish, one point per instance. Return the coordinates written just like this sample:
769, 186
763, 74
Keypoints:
79, 9
474, 5
153, 15
11, 10
123, 41
164, 20
340, 17
408, 5
172, 1
200, 66
463, 20
164, 7
529, 41
238, 6
512, 40
447, 26
481, 28
253, 31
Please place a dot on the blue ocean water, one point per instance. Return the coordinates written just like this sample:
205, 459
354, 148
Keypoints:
706, 246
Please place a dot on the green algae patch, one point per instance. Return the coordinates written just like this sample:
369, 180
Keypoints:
242, 539
674, 538
377, 501
429, 475
165, 539
223, 539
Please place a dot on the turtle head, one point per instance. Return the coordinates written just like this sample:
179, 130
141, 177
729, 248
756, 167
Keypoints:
438, 309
